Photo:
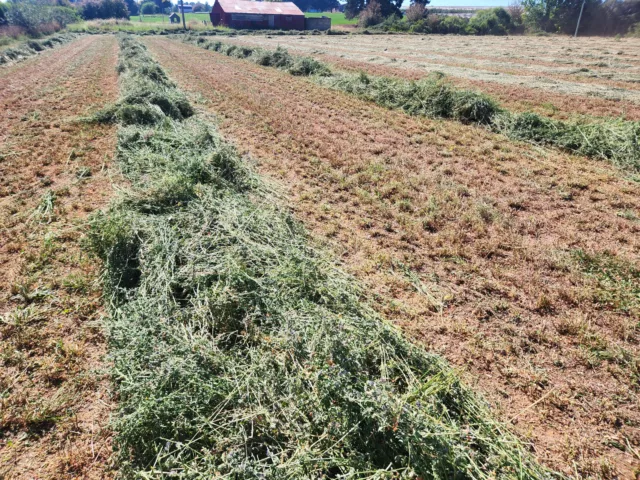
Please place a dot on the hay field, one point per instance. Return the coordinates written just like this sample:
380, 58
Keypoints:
487, 251
556, 76
235, 262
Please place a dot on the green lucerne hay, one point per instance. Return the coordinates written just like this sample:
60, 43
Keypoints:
279, 58
33, 47
617, 141
240, 351
150, 95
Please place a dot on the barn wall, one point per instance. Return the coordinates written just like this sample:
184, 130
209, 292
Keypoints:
281, 22
289, 22
317, 23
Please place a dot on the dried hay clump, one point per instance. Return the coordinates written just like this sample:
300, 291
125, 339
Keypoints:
240, 351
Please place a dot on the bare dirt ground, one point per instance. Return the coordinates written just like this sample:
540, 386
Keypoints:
55, 400
517, 264
555, 76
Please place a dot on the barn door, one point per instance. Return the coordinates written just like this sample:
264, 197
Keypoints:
272, 20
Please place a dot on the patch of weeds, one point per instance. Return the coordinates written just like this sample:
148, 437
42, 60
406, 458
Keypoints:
76, 283
43, 414
23, 292
47, 252
544, 305
629, 215
20, 317
432, 293
597, 349
486, 212
569, 326
45, 211
83, 172
617, 281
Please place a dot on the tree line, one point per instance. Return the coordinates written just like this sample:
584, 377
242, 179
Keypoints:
609, 17
35, 17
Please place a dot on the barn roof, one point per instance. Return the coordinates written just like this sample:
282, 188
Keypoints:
265, 8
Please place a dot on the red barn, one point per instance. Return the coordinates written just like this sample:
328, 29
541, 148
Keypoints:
242, 14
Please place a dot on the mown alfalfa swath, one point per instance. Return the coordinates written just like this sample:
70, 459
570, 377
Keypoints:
242, 351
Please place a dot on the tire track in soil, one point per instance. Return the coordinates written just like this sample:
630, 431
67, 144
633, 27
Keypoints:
484, 222
55, 403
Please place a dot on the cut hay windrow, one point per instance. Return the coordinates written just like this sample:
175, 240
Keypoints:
241, 351
33, 47
615, 140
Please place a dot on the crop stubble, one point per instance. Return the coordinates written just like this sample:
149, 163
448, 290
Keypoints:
465, 240
53, 172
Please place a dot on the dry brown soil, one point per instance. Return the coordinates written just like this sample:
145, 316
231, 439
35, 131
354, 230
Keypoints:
466, 240
521, 73
55, 401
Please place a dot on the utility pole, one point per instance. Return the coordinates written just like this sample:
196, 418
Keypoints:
184, 25
580, 17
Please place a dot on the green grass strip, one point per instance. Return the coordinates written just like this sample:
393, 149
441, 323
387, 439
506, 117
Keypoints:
615, 140
241, 351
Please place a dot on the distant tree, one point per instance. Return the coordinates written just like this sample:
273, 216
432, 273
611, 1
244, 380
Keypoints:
198, 7
387, 7
325, 5
560, 15
104, 9
38, 18
132, 7
619, 17
3, 13
493, 21
353, 8
452, 24
89, 10
149, 8
516, 10
371, 15
416, 12
163, 6
207, 7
